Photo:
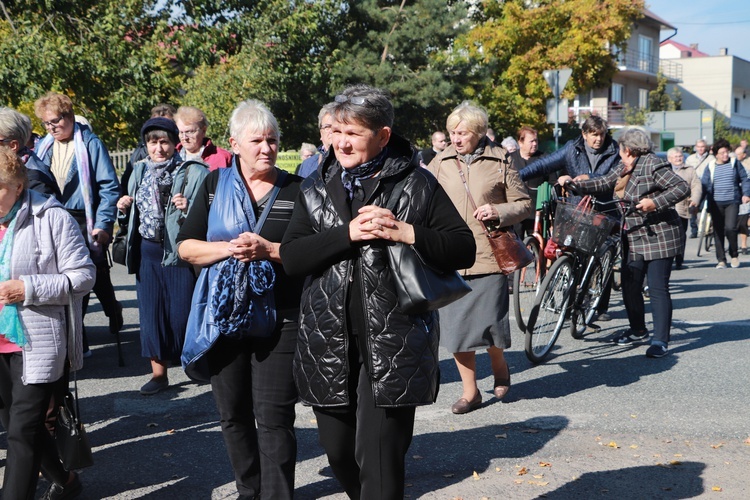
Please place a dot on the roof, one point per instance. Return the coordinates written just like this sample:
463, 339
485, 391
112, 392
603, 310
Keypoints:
651, 15
684, 48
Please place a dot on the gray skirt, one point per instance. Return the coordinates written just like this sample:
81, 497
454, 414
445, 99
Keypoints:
480, 318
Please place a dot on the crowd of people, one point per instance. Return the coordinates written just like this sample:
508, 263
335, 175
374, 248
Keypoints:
277, 288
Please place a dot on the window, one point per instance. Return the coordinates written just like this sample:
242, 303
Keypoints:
617, 91
646, 54
736, 105
643, 98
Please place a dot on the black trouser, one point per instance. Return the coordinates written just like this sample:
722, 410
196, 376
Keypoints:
366, 445
252, 382
725, 225
680, 257
23, 408
658, 272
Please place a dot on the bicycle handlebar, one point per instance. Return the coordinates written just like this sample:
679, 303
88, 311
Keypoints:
631, 205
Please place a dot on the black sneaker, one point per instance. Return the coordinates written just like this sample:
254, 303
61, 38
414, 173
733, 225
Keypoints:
69, 491
656, 351
630, 336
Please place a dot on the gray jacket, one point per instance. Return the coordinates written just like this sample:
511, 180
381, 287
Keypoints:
49, 254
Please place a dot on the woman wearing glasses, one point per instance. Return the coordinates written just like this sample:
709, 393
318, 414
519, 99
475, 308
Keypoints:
194, 145
361, 362
80, 163
160, 192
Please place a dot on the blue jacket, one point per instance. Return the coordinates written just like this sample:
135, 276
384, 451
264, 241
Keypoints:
572, 158
741, 186
105, 188
41, 179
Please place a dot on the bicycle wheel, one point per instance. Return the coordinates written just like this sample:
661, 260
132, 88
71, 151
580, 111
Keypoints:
526, 283
587, 301
548, 313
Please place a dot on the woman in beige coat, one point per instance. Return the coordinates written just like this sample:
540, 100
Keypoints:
689, 205
480, 319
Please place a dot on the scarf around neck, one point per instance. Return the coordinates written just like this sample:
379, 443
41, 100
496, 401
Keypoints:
10, 323
84, 179
352, 177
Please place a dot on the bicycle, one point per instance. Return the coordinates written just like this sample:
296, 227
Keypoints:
705, 230
526, 280
581, 235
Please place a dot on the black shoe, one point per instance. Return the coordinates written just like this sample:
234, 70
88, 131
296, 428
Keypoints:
70, 490
116, 320
656, 351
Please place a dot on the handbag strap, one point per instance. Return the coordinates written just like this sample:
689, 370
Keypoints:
271, 198
396, 193
72, 325
471, 198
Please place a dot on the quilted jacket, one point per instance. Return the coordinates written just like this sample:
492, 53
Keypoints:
400, 351
653, 235
49, 250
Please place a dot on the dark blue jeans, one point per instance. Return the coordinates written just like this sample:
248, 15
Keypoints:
658, 272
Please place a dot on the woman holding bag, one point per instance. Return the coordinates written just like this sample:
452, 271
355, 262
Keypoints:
42, 255
243, 342
485, 187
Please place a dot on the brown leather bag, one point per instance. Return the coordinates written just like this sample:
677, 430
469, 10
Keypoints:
509, 251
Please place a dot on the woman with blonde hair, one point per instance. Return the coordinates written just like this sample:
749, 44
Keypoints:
483, 184
194, 145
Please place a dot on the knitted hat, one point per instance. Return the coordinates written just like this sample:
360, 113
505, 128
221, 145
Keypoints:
161, 123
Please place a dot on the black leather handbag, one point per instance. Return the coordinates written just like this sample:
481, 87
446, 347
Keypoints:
120, 243
70, 436
420, 287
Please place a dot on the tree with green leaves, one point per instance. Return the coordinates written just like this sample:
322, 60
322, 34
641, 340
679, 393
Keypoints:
513, 42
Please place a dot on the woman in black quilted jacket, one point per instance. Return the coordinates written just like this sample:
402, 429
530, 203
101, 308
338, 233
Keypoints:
361, 362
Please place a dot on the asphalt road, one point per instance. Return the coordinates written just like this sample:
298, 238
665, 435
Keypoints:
595, 421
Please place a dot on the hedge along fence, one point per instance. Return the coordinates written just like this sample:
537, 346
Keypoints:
288, 160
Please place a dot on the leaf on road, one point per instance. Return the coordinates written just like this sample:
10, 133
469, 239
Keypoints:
522, 471
417, 457
717, 446
675, 462
518, 481
633, 415
747, 441
716, 488
171, 431
612, 444
501, 436
476, 476
498, 469
634, 446
678, 454
539, 483
545, 464
538, 476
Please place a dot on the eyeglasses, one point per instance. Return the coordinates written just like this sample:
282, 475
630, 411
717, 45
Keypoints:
326, 126
52, 123
188, 133
6, 140
357, 101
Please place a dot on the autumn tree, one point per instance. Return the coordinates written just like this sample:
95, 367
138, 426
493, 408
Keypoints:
513, 42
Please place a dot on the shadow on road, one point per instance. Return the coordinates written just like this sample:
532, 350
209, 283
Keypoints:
636, 483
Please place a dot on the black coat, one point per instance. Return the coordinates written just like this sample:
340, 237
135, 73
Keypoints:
399, 351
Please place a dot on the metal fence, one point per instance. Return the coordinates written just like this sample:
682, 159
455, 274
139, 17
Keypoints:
120, 159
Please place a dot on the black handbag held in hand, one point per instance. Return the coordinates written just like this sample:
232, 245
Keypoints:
420, 287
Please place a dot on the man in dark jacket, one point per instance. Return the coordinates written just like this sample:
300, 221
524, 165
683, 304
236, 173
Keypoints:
439, 142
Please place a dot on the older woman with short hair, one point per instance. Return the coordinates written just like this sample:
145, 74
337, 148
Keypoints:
651, 236
194, 145
43, 259
361, 362
479, 320
160, 194
726, 185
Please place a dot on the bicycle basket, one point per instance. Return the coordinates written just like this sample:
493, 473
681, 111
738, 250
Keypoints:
580, 229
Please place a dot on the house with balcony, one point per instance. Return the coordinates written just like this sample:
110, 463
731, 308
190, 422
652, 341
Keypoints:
638, 66
719, 82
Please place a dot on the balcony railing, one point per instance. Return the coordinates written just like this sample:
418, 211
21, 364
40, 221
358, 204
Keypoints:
637, 61
672, 70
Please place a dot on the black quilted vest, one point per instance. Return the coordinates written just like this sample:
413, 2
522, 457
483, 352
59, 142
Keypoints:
401, 351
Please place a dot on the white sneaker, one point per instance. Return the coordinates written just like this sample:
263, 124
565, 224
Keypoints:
735, 262
721, 265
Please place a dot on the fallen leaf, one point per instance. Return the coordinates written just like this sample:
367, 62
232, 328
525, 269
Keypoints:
538, 476
417, 457
717, 446
498, 469
545, 464
675, 462
612, 444
598, 438
313, 420
501, 436
522, 471
634, 446
476, 476
633, 416
678, 454
539, 483
171, 431
518, 481
716, 488
747, 441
